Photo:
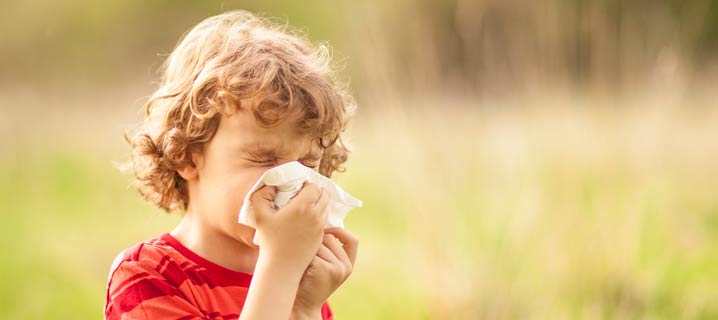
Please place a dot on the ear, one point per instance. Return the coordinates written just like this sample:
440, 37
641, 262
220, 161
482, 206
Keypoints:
190, 171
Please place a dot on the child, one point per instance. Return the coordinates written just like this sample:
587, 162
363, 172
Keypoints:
238, 96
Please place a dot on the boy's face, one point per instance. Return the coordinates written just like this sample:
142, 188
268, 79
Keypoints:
239, 153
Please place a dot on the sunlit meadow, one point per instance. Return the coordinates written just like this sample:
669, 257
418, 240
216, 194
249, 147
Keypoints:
559, 211
498, 182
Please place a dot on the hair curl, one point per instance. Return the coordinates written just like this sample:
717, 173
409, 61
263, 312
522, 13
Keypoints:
222, 61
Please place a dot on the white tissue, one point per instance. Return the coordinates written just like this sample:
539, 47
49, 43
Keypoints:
289, 179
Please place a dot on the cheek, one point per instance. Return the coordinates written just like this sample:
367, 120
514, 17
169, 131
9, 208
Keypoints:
242, 183
223, 193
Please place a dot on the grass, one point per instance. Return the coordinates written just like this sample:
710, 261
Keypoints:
555, 208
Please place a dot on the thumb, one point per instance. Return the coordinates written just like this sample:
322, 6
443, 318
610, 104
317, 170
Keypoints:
262, 202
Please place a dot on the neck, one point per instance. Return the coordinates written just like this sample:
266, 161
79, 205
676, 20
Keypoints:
215, 245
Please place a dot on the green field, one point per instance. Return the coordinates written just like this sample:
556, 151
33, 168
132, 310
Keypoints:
517, 160
553, 208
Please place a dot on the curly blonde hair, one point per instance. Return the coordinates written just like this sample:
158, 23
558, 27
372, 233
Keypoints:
222, 61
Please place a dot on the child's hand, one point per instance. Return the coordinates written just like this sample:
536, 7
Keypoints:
331, 266
290, 236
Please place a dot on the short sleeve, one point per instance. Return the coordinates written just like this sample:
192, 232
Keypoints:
136, 290
327, 312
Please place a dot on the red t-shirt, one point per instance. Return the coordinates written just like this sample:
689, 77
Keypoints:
162, 279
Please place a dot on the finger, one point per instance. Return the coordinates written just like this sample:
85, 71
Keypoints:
325, 253
262, 201
320, 207
319, 262
349, 240
336, 248
306, 197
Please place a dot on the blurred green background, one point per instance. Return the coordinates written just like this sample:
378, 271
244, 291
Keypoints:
517, 159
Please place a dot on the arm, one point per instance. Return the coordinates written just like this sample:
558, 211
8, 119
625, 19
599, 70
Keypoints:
272, 292
301, 315
289, 239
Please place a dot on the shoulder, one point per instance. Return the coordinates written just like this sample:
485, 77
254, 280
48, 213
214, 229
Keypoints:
139, 273
147, 259
144, 253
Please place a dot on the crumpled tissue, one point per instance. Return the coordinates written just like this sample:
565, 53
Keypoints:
289, 178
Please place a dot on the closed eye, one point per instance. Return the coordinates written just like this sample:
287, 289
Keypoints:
312, 165
268, 161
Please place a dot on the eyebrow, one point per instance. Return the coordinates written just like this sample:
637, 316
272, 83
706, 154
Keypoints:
270, 152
